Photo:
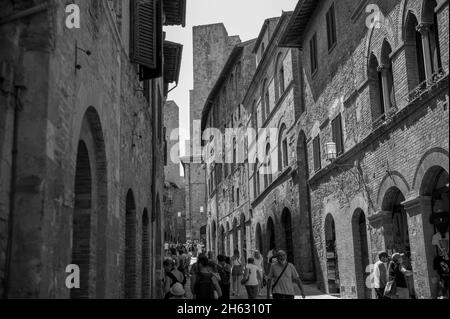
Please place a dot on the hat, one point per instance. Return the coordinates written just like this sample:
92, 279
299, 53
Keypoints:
177, 290
396, 256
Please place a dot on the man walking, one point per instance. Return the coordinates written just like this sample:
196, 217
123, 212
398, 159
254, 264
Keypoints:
380, 275
281, 277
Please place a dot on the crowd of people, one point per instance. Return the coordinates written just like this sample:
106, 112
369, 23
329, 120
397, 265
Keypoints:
221, 277
393, 277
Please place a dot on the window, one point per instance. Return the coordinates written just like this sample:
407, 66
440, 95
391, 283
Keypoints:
234, 155
316, 150
331, 27
376, 90
279, 76
313, 53
263, 48
232, 194
336, 127
237, 197
387, 77
146, 38
268, 163
283, 160
266, 100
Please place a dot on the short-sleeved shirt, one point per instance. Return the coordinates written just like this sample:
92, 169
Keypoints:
253, 275
285, 285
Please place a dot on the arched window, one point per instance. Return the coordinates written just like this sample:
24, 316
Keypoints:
256, 179
279, 75
265, 99
283, 159
387, 77
414, 53
376, 90
268, 172
234, 155
430, 38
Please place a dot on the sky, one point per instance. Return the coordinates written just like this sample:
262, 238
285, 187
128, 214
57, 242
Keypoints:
240, 17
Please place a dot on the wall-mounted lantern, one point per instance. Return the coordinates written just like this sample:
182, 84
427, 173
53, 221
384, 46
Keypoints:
331, 151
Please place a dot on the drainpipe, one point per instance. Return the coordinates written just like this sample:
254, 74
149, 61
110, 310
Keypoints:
12, 192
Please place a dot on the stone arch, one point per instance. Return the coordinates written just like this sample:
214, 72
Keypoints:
244, 244
146, 285
270, 233
396, 232
259, 245
286, 222
361, 253
213, 236
90, 210
332, 264
432, 158
391, 179
130, 246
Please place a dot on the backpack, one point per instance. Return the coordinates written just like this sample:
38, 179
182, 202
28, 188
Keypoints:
174, 281
204, 287
224, 275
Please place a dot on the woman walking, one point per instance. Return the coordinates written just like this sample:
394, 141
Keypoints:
397, 288
236, 273
252, 279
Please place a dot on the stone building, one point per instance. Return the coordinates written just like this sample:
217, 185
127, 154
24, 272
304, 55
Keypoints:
228, 207
211, 47
278, 192
81, 146
174, 188
375, 127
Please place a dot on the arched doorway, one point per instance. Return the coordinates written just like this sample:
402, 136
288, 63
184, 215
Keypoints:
259, 240
271, 244
81, 240
222, 236
361, 253
213, 239
396, 240
331, 256
90, 209
158, 247
286, 221
130, 246
145, 255
235, 243
243, 239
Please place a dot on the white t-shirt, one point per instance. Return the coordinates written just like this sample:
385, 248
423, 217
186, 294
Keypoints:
253, 275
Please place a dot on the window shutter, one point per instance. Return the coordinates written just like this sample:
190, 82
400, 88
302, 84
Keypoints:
336, 126
146, 37
316, 149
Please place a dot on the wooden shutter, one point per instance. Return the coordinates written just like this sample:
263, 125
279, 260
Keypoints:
336, 126
146, 37
316, 150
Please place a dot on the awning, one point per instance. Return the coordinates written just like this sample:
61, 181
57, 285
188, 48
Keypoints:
175, 12
293, 35
172, 61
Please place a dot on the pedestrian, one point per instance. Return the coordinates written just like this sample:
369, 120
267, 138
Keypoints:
380, 274
252, 278
281, 276
397, 288
236, 273
259, 263
271, 257
224, 270
205, 284
177, 291
409, 279
172, 276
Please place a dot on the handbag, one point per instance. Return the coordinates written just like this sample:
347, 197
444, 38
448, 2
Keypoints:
246, 279
390, 291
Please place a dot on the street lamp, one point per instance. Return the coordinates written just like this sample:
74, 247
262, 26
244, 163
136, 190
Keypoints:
331, 151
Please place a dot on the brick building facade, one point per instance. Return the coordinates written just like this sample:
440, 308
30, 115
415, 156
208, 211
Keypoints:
376, 105
226, 173
81, 147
